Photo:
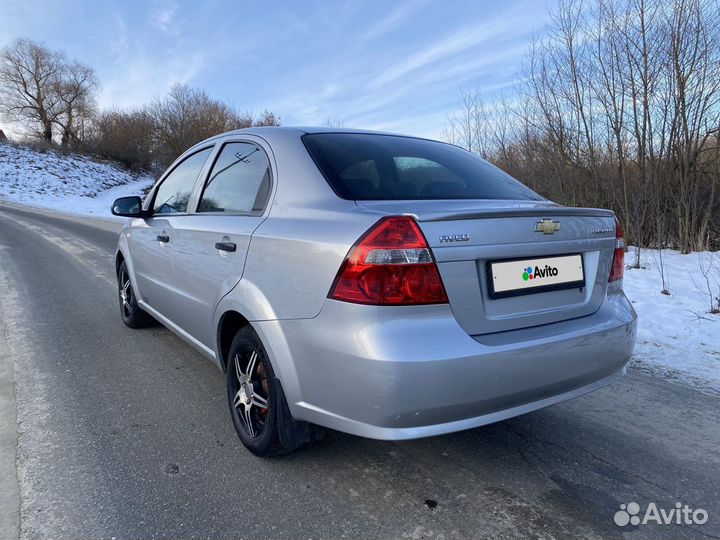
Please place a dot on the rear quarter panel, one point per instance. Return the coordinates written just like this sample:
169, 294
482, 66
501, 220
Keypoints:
296, 252
293, 261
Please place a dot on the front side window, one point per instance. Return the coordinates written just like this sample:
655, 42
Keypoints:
363, 166
174, 193
239, 182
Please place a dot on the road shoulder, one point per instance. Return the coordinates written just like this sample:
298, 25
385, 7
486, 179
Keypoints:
110, 223
9, 489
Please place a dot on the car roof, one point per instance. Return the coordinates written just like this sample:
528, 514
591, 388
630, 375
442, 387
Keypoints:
330, 129
259, 130
275, 134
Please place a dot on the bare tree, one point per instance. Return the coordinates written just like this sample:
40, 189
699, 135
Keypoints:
694, 60
466, 127
40, 87
708, 284
618, 105
29, 76
188, 115
266, 118
75, 89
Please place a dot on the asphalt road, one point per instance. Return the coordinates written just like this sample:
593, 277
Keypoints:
126, 434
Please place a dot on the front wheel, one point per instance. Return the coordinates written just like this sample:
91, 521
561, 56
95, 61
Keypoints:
257, 404
132, 315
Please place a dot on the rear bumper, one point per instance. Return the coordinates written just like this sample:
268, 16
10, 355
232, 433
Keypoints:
410, 372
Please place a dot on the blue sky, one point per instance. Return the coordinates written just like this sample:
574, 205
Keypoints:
374, 64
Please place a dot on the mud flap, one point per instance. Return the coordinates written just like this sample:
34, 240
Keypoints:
293, 433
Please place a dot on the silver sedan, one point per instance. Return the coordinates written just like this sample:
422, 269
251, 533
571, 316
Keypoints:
386, 286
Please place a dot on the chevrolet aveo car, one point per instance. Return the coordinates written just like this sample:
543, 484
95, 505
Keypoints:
386, 286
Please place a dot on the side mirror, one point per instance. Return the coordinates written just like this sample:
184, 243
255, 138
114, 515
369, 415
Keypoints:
127, 207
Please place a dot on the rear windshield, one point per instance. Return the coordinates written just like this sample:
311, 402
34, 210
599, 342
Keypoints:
362, 166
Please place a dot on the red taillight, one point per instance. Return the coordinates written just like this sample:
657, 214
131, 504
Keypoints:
618, 264
391, 264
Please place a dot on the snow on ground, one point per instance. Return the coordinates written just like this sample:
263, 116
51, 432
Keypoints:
677, 336
64, 182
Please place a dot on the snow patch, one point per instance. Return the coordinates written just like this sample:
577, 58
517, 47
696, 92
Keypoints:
64, 182
677, 336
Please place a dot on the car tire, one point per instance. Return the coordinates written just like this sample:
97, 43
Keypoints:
257, 402
132, 315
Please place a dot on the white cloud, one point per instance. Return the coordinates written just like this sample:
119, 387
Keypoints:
451, 45
138, 73
393, 20
163, 17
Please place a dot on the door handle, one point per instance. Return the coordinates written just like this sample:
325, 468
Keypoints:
225, 246
162, 238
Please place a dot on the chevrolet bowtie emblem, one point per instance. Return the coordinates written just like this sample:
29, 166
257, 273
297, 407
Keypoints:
547, 226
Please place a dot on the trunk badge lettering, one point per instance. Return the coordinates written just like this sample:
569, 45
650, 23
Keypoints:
454, 238
547, 226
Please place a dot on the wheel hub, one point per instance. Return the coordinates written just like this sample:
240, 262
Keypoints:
248, 403
246, 393
125, 292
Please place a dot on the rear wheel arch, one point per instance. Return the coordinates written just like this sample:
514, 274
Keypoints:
231, 322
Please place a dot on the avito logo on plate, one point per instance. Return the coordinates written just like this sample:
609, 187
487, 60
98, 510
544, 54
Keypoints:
530, 273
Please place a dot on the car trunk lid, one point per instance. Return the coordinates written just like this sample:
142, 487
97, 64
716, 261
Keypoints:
467, 237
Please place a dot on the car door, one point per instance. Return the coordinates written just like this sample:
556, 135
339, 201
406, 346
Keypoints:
212, 242
152, 239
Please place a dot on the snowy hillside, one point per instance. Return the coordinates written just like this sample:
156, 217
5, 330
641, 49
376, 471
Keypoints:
63, 182
677, 336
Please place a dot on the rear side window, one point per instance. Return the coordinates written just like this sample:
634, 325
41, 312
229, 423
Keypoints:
174, 193
362, 166
239, 182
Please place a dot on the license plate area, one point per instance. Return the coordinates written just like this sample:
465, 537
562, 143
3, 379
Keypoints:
515, 277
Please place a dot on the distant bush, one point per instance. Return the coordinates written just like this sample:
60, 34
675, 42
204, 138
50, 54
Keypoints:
125, 136
152, 137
